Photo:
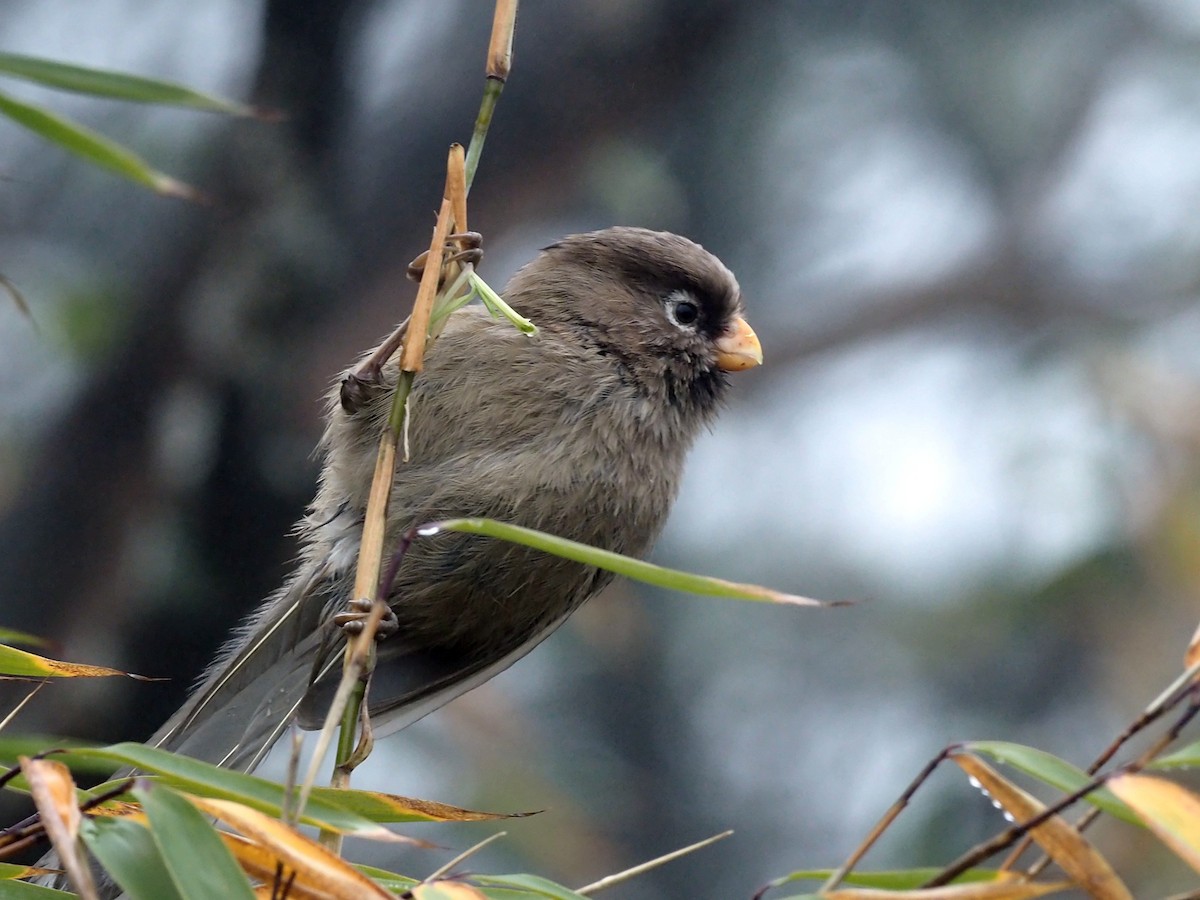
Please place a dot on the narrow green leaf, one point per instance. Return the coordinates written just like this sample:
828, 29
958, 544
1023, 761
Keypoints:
22, 664
211, 781
497, 307
528, 886
115, 85
1184, 758
93, 147
13, 870
198, 861
622, 565
23, 890
33, 744
388, 880
11, 635
127, 851
1057, 773
891, 880
390, 808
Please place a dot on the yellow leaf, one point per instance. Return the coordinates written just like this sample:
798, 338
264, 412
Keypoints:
1008, 889
380, 807
1192, 656
446, 890
1062, 842
22, 664
53, 791
1170, 811
275, 847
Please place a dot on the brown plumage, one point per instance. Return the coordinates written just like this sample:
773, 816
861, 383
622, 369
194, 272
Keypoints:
579, 430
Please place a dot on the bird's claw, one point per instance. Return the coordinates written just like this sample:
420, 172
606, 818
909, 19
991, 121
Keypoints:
354, 619
465, 247
359, 387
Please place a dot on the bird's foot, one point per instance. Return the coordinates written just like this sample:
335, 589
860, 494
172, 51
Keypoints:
365, 381
464, 247
354, 619
358, 387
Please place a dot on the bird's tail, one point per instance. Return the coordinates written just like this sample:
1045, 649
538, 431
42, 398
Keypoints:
254, 689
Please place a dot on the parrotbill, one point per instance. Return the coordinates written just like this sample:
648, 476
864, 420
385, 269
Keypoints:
579, 430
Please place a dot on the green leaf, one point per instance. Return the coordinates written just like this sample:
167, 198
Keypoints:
211, 781
1183, 758
893, 880
497, 307
93, 147
23, 890
22, 664
13, 870
127, 851
12, 636
115, 85
1057, 773
34, 744
388, 880
527, 886
380, 807
615, 562
197, 859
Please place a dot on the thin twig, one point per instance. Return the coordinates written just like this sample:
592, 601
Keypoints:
1006, 838
466, 854
460, 172
21, 705
886, 820
621, 877
1175, 693
498, 63
359, 656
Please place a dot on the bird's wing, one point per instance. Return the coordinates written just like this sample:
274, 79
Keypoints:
251, 698
409, 683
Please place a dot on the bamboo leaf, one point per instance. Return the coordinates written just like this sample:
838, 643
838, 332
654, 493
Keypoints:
199, 863
498, 307
1171, 811
621, 565
1055, 772
22, 664
93, 147
211, 781
129, 855
1062, 841
115, 85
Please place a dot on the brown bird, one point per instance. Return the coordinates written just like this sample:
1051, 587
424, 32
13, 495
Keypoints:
579, 430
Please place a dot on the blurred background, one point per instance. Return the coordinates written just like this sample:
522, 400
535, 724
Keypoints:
968, 235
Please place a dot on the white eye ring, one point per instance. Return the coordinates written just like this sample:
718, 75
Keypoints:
682, 309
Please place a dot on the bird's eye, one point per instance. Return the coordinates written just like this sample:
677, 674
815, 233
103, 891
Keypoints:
682, 309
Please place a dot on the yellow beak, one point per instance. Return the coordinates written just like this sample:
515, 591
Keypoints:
738, 348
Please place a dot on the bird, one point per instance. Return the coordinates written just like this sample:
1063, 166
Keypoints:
579, 429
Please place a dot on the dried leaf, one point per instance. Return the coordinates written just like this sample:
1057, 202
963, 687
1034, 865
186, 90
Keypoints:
22, 664
1014, 889
446, 890
53, 791
1172, 812
316, 868
1062, 842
